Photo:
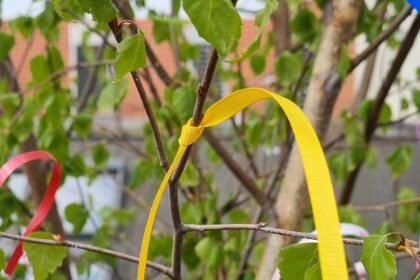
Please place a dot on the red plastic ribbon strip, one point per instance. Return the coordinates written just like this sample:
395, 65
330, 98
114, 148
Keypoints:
47, 201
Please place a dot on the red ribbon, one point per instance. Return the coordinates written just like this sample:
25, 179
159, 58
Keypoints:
47, 201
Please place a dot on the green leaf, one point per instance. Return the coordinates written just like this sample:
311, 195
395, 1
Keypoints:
238, 216
349, 215
299, 261
409, 214
378, 261
100, 155
385, 228
6, 43
131, 55
163, 26
2, 259
142, 171
400, 160
257, 63
77, 215
211, 155
305, 25
251, 49
364, 108
416, 98
183, 102
55, 61
82, 123
404, 104
210, 252
188, 51
371, 158
344, 63
288, 67
217, 21
112, 96
39, 68
261, 20
47, 22
44, 259
75, 166
102, 11
191, 213
189, 257
161, 245
121, 216
338, 166
62, 8
314, 272
254, 131
190, 176
9, 103
385, 114
24, 24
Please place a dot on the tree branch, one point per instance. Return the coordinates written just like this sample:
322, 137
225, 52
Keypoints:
201, 95
143, 96
371, 123
381, 37
234, 167
86, 247
60, 73
262, 227
384, 206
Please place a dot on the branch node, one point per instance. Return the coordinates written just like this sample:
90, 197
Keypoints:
261, 225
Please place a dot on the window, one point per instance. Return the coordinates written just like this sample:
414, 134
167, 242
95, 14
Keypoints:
84, 55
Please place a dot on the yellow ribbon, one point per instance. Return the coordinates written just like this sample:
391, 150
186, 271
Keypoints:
330, 246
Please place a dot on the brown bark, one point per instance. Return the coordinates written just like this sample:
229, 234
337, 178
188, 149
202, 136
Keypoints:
323, 89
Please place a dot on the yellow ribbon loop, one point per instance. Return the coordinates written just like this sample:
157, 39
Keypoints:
321, 193
190, 134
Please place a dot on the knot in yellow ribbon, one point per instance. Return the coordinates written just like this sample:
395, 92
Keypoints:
190, 134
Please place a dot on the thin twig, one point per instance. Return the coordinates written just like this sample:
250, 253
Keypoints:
24, 57
262, 227
381, 37
245, 148
114, 26
235, 168
252, 235
66, 243
384, 206
398, 121
58, 74
201, 95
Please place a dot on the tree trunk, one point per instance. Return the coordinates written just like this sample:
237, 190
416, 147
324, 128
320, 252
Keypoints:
324, 86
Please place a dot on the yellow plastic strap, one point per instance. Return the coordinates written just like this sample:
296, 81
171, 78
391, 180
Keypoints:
330, 246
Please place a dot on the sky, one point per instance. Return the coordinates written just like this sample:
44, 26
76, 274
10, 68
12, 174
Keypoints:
14, 8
